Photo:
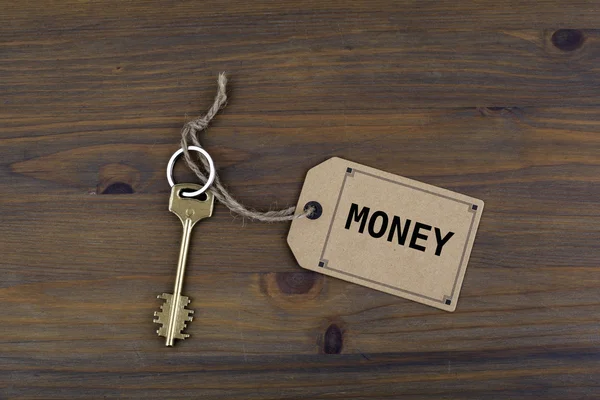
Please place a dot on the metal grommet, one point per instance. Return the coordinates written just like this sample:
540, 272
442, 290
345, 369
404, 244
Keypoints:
211, 172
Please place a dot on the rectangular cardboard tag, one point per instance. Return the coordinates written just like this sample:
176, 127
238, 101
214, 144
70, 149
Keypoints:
386, 232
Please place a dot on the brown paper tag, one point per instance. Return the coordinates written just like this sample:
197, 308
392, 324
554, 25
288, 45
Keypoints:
386, 232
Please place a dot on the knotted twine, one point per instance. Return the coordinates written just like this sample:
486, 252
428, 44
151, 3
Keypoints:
190, 136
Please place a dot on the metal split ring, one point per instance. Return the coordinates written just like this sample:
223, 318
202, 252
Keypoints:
211, 172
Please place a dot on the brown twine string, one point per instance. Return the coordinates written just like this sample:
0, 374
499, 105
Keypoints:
189, 136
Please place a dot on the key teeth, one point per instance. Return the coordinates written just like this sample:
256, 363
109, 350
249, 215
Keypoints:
182, 318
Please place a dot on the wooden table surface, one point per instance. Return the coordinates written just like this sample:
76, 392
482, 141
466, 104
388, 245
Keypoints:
496, 100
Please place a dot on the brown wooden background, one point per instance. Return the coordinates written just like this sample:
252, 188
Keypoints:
497, 100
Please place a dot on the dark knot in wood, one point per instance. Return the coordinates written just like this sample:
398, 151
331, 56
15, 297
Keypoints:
291, 283
118, 188
568, 39
333, 340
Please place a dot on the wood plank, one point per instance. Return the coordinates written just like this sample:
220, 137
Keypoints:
264, 158
416, 375
235, 16
292, 67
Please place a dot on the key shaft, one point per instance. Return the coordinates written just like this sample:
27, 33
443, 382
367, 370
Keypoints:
176, 302
183, 252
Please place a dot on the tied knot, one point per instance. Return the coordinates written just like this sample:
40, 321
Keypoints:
197, 125
190, 136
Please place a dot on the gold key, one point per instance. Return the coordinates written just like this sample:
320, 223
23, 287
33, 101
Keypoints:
173, 315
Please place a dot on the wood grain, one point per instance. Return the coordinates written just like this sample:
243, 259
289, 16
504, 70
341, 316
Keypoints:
485, 98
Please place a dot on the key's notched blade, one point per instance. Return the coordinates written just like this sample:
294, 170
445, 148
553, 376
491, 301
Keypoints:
182, 315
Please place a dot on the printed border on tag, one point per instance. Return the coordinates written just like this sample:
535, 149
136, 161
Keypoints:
470, 207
